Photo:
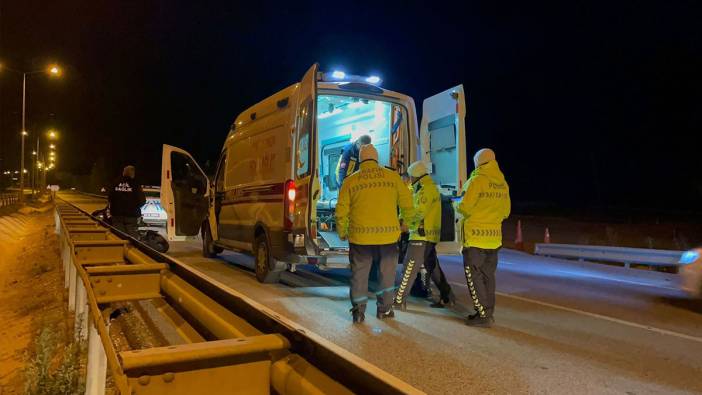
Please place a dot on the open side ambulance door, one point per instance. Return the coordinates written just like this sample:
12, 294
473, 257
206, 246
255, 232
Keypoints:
185, 193
443, 148
307, 185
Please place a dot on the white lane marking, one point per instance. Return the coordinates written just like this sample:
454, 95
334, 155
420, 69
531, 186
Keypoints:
595, 315
602, 277
615, 279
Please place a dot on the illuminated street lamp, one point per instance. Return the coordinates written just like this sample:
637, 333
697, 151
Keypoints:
51, 135
52, 70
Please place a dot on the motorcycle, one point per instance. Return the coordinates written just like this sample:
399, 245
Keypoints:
146, 236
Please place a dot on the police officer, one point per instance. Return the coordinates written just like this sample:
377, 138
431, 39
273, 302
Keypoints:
348, 162
366, 215
125, 200
485, 203
425, 232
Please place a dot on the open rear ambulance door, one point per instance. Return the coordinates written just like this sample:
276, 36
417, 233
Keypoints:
304, 217
443, 149
185, 191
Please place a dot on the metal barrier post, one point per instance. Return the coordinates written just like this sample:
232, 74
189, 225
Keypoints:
57, 222
81, 316
66, 259
97, 364
72, 279
66, 269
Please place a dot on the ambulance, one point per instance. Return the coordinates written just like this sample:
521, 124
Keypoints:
275, 189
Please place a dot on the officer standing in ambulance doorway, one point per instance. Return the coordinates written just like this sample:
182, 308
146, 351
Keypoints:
484, 204
349, 162
366, 215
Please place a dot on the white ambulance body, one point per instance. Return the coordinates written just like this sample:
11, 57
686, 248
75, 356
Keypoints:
275, 189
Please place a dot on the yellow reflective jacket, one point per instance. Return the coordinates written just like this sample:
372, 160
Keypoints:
484, 205
366, 212
427, 211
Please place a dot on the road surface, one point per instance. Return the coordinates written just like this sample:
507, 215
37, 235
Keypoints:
561, 327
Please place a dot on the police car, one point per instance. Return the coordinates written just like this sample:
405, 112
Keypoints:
152, 213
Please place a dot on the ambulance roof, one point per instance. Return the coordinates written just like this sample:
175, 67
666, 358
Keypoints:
281, 99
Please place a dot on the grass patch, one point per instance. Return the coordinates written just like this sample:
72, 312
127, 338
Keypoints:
55, 366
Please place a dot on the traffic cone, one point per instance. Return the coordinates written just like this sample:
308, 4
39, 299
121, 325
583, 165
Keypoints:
547, 236
518, 241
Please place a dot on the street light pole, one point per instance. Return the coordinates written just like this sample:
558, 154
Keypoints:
53, 70
35, 171
24, 133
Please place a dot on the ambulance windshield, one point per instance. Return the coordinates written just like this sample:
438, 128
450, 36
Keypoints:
342, 120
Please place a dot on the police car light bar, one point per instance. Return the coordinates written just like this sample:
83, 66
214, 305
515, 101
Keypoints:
340, 76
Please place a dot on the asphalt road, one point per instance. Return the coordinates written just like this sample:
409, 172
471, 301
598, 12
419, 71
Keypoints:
561, 327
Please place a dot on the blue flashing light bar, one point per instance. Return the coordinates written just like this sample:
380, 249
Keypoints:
342, 77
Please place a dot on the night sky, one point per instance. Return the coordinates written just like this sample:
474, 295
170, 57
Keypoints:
587, 105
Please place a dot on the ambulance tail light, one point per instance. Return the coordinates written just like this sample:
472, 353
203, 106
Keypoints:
289, 204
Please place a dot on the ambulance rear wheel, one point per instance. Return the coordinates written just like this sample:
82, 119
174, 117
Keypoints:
263, 259
209, 250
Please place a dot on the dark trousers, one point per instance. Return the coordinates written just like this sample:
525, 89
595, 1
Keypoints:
420, 287
479, 266
436, 274
422, 253
361, 257
127, 225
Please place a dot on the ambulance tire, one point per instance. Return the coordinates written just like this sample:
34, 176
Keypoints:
209, 250
263, 261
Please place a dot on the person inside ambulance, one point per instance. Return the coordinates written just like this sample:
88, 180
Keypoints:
366, 216
484, 204
425, 232
348, 161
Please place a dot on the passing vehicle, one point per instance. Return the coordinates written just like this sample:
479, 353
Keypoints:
690, 273
151, 212
274, 192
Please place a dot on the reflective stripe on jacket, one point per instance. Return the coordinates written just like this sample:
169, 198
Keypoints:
366, 212
484, 205
427, 215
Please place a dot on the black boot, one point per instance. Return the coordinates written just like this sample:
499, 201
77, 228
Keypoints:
402, 306
358, 313
472, 317
384, 313
477, 320
444, 301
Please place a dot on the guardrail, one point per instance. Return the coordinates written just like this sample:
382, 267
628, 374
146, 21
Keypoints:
625, 255
7, 199
161, 328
